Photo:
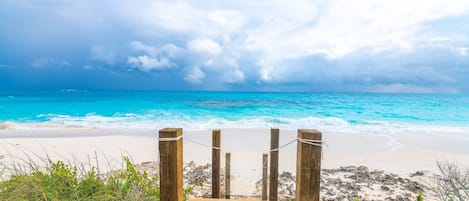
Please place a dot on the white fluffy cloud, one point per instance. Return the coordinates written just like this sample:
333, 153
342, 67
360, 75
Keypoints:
226, 20
281, 30
205, 46
153, 58
147, 63
344, 27
195, 75
170, 50
139, 46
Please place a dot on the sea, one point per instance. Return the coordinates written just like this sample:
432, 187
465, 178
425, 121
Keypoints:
198, 110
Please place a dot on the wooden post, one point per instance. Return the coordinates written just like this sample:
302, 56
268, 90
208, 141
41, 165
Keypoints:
227, 175
273, 184
216, 156
308, 166
170, 147
265, 160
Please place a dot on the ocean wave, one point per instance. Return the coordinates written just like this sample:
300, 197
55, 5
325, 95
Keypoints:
131, 120
7, 125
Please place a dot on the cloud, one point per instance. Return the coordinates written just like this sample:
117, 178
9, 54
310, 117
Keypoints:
345, 27
228, 20
346, 44
205, 46
103, 54
146, 63
195, 75
153, 58
463, 51
4, 66
45, 62
233, 76
139, 46
175, 16
170, 50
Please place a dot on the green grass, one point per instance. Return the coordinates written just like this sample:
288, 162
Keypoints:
62, 182
419, 197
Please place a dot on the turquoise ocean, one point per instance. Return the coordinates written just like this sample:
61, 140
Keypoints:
357, 112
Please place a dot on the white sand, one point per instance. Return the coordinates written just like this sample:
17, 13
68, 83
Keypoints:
400, 153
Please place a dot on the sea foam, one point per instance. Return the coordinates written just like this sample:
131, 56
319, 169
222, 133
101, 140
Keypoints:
325, 124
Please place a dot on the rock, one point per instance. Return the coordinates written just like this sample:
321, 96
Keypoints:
353, 195
385, 188
418, 173
413, 187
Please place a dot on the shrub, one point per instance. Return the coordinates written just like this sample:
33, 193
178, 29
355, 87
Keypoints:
453, 182
62, 182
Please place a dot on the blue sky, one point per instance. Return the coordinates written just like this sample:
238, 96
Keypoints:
337, 45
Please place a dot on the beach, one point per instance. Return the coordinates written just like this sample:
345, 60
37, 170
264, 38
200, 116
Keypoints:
380, 140
86, 87
398, 153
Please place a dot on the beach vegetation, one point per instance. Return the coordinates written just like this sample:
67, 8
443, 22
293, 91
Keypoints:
64, 182
419, 197
453, 182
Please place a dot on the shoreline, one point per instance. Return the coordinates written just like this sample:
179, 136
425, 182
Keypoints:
399, 153
324, 124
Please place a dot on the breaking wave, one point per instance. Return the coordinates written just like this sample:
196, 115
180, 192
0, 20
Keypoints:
130, 120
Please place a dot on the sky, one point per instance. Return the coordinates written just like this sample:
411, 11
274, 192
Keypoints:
397, 46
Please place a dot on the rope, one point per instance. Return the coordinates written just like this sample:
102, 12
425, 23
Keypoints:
169, 139
227, 163
202, 144
312, 142
318, 143
277, 149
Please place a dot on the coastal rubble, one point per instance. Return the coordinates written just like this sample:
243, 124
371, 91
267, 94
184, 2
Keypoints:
348, 183
340, 184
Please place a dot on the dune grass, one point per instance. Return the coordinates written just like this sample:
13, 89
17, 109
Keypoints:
65, 182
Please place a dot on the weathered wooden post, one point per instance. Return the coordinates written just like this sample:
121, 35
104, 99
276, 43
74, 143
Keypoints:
170, 147
216, 157
265, 159
308, 165
273, 184
227, 175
